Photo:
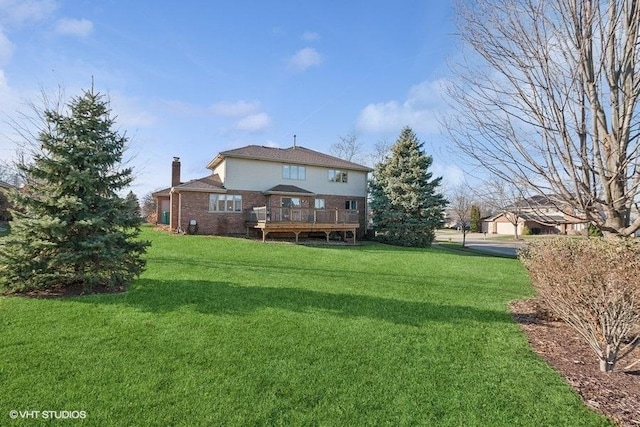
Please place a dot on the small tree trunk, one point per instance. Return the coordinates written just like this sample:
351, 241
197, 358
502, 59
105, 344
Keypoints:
606, 366
608, 361
464, 236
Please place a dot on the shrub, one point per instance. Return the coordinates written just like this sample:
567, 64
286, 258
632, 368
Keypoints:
593, 231
594, 286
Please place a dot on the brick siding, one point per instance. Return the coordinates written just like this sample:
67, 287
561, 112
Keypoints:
195, 206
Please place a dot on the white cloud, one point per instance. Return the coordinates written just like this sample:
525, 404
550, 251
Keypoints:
253, 123
305, 58
130, 115
18, 12
310, 36
235, 109
6, 48
74, 27
451, 175
419, 111
248, 115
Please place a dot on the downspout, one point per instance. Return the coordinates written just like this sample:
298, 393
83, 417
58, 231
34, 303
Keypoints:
366, 205
179, 229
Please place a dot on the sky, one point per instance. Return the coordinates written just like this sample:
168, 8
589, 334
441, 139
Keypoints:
194, 78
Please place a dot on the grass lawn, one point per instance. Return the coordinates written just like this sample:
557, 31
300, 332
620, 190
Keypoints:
222, 331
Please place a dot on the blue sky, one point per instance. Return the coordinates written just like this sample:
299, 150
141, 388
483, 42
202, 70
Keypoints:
194, 78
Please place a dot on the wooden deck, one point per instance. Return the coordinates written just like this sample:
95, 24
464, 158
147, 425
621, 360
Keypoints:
296, 221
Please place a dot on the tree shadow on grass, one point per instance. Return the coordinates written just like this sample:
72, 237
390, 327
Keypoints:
220, 298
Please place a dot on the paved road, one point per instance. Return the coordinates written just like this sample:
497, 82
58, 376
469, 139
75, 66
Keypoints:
478, 241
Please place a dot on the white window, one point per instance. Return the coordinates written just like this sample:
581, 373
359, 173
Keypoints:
351, 204
225, 203
296, 172
319, 204
336, 175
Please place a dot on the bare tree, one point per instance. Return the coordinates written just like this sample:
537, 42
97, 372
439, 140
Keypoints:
148, 207
5, 172
348, 148
381, 150
460, 202
550, 100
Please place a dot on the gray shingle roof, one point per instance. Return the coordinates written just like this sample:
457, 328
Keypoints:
164, 192
544, 219
209, 184
288, 189
297, 155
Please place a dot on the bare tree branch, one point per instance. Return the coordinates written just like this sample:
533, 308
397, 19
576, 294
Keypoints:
551, 101
348, 148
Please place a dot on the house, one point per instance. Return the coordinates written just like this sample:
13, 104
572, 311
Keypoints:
260, 190
539, 214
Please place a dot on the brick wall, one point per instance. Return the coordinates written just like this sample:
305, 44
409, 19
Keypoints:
196, 206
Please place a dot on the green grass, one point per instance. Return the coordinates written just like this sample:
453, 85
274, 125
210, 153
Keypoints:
222, 331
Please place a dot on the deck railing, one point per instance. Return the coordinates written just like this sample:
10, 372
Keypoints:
313, 216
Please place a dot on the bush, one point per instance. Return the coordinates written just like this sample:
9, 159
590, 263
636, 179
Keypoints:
594, 286
593, 231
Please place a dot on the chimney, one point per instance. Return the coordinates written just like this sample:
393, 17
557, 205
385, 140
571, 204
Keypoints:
175, 172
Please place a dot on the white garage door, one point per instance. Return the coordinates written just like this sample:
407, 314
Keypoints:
504, 228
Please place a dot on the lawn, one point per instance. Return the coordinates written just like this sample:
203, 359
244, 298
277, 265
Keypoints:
222, 331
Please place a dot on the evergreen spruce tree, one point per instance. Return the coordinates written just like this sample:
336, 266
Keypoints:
406, 205
71, 230
133, 205
475, 223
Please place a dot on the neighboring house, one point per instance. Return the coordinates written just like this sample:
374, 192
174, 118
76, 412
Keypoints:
260, 190
539, 214
4, 202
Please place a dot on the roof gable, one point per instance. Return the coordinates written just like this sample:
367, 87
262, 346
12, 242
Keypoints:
209, 184
288, 189
296, 155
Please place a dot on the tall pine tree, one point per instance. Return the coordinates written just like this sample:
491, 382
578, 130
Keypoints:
71, 229
404, 200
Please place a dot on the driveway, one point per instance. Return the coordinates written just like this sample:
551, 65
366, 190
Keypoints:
480, 242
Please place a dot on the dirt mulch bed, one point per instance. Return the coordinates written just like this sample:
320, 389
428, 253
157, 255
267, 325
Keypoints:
615, 394
70, 291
